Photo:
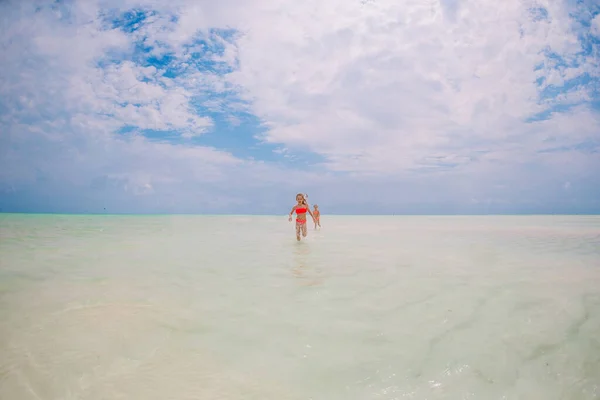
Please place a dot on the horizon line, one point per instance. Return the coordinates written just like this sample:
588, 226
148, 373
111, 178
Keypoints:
285, 215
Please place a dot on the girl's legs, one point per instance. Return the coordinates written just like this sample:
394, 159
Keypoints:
300, 229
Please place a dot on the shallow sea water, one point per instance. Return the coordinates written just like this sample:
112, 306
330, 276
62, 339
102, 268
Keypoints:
203, 307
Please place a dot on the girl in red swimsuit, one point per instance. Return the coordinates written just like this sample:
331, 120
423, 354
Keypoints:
301, 209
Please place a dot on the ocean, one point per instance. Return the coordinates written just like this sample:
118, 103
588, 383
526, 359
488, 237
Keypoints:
233, 307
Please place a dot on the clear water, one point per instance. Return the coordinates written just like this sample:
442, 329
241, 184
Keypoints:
198, 307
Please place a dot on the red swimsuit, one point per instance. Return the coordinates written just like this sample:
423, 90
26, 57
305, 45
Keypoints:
300, 211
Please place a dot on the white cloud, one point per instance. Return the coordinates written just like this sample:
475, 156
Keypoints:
596, 25
388, 92
68, 54
62, 110
387, 83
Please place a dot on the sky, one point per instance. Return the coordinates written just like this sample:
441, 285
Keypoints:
234, 106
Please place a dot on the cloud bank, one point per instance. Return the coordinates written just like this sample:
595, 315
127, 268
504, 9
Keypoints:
372, 106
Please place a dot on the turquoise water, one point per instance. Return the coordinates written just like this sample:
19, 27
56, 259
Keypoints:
195, 307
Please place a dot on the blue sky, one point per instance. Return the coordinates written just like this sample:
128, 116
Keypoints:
181, 106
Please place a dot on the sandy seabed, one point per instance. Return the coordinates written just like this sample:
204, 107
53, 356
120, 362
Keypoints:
199, 307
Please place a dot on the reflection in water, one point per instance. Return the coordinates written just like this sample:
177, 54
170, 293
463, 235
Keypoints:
303, 266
